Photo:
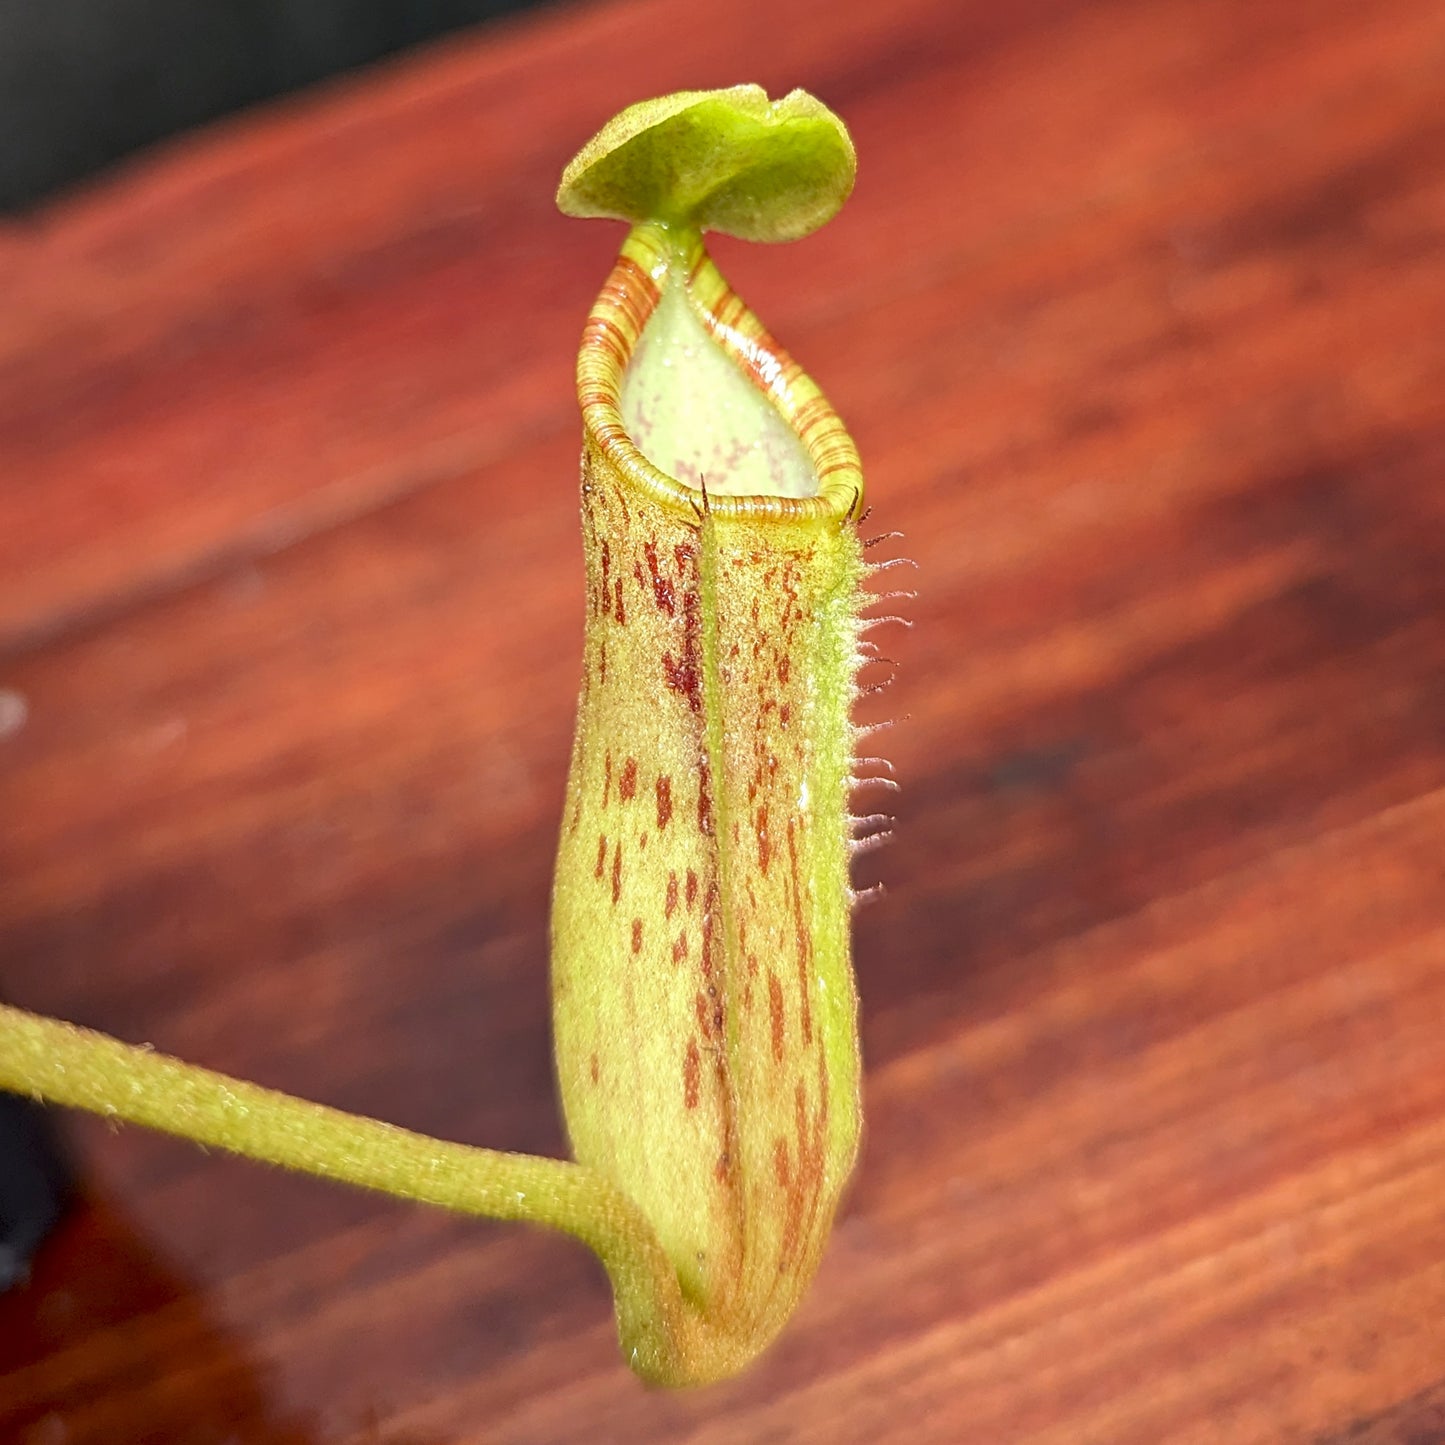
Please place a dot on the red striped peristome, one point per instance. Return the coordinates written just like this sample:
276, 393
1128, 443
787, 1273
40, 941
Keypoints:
651, 255
705, 1012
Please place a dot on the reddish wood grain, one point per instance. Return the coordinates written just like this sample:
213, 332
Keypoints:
1138, 317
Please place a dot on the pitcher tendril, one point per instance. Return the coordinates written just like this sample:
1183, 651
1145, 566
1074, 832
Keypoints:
703, 1000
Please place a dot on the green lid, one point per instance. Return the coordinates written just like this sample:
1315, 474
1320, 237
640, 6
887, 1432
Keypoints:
717, 160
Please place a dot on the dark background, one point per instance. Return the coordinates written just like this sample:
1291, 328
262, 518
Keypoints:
83, 82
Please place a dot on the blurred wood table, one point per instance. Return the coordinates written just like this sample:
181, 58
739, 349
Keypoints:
1138, 316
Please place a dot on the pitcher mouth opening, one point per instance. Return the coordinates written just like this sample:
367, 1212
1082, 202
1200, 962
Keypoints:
796, 451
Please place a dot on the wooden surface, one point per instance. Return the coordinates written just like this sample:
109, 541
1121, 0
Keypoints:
1138, 317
